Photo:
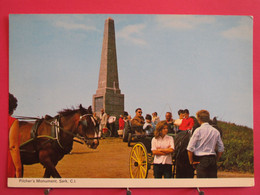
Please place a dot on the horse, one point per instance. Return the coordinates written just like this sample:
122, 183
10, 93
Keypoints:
181, 141
47, 140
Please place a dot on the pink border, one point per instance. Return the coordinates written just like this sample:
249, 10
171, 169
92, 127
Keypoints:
217, 7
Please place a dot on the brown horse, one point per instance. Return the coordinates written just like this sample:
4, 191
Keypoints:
47, 140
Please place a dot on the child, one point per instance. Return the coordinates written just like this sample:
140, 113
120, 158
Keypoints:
155, 118
178, 121
162, 148
149, 126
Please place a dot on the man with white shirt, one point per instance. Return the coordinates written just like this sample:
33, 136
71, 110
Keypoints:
111, 125
202, 145
103, 123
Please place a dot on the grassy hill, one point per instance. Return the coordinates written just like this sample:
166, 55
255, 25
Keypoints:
239, 150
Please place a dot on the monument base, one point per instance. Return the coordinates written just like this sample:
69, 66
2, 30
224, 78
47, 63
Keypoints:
113, 104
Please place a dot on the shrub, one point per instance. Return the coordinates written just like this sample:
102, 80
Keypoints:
239, 153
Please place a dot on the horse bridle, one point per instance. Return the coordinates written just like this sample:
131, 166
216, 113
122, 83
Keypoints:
84, 123
56, 124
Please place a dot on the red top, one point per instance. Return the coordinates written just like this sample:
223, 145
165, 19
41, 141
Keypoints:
187, 124
10, 164
121, 123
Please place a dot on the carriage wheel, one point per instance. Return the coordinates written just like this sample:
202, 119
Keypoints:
108, 133
138, 161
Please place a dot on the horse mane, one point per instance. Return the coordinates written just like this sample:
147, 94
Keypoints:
196, 123
82, 110
214, 123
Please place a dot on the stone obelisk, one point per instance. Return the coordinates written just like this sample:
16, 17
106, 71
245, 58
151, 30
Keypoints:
108, 95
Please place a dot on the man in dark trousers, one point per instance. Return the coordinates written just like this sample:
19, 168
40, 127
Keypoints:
202, 145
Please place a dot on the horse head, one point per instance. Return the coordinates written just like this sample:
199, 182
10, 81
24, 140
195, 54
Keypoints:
214, 123
196, 123
88, 127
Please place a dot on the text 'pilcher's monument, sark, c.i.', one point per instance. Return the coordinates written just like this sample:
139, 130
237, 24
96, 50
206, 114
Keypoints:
108, 95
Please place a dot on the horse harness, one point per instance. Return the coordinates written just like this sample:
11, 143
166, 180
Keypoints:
54, 138
179, 143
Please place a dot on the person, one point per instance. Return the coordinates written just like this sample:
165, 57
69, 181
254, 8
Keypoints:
103, 123
202, 145
14, 160
162, 148
187, 122
170, 122
155, 119
96, 117
121, 122
111, 125
178, 121
149, 126
137, 122
127, 128
128, 120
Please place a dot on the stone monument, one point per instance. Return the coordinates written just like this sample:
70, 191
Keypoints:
108, 95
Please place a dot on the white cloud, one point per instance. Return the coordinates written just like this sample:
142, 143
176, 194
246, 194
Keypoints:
183, 22
244, 31
133, 33
74, 26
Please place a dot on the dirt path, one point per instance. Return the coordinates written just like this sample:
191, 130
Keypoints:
109, 160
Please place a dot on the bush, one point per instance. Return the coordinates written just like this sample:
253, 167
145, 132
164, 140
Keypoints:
239, 153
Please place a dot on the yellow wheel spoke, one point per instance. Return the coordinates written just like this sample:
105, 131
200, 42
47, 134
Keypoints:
138, 161
134, 159
141, 173
136, 155
143, 168
138, 151
136, 173
143, 158
133, 172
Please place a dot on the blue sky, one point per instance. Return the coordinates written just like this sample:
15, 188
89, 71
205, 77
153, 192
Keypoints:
165, 63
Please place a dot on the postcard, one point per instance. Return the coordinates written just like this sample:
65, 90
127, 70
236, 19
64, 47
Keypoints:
82, 79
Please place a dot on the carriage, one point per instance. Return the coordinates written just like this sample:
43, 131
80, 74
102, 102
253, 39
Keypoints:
141, 157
